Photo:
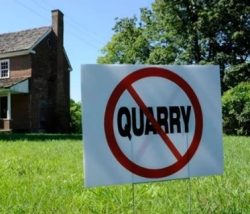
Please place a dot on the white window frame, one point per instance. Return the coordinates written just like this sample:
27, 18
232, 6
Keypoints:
8, 63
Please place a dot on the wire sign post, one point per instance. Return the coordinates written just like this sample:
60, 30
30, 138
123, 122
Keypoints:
150, 123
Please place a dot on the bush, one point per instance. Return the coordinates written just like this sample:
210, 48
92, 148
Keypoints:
75, 117
236, 110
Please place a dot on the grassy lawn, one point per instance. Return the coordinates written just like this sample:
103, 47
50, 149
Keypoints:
44, 174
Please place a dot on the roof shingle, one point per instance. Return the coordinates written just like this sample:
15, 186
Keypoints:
22, 40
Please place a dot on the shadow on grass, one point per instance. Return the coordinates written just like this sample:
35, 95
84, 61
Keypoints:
38, 136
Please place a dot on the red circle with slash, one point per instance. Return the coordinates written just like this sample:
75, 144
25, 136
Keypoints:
126, 84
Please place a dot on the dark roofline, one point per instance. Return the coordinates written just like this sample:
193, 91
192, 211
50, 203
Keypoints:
67, 58
21, 31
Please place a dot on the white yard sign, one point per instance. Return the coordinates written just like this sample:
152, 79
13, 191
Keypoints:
150, 123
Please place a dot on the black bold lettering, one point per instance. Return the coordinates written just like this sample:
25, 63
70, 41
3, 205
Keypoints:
124, 130
186, 117
174, 119
149, 127
162, 117
137, 131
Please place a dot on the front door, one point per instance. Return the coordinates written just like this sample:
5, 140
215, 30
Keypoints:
3, 107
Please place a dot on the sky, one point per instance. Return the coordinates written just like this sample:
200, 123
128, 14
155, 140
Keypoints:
87, 26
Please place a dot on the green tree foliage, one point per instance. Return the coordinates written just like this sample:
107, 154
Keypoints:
237, 74
236, 109
192, 32
128, 44
183, 32
75, 117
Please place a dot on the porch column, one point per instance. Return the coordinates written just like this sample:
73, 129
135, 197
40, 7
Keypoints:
9, 106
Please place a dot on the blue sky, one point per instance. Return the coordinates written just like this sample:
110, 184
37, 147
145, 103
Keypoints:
87, 25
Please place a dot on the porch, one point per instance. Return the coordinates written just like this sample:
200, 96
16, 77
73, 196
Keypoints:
8, 88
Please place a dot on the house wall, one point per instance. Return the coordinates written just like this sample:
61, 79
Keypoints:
20, 66
62, 91
20, 111
46, 107
49, 88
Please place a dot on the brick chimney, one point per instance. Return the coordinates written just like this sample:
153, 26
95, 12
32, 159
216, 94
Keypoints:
57, 24
62, 83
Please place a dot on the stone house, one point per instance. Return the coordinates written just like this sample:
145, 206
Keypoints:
35, 79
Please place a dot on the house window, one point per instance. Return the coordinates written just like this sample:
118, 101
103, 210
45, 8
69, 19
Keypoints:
4, 69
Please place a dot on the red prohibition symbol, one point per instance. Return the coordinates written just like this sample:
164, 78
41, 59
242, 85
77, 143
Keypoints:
126, 85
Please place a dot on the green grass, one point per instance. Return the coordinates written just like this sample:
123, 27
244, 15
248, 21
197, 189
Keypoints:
44, 174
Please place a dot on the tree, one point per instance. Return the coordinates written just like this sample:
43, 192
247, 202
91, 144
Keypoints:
75, 117
128, 45
192, 32
237, 74
183, 32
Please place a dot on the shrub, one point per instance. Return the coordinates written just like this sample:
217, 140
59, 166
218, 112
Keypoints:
236, 110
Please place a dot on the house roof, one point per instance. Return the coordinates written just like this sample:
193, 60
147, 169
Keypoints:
22, 40
14, 86
9, 82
